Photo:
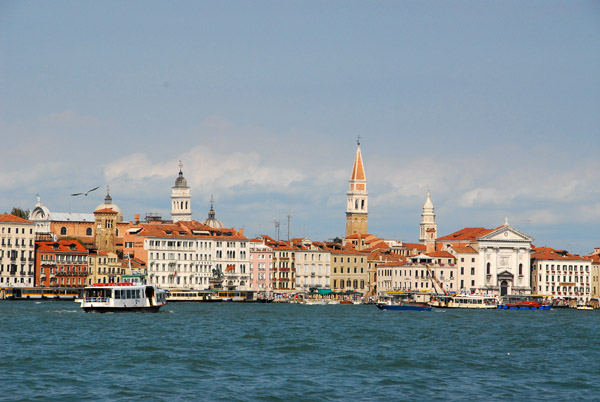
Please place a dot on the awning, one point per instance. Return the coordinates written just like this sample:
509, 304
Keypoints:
324, 291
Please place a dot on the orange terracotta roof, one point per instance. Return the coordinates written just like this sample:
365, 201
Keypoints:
464, 249
414, 246
547, 253
440, 254
106, 211
466, 234
62, 246
8, 218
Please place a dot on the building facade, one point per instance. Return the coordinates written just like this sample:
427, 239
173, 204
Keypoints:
17, 251
312, 266
562, 275
62, 263
261, 267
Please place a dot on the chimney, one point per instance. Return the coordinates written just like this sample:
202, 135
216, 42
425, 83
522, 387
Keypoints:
242, 231
136, 218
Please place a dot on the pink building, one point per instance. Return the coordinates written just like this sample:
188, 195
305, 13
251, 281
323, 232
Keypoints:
261, 268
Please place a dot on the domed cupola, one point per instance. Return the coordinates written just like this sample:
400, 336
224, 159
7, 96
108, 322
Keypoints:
180, 182
108, 204
212, 221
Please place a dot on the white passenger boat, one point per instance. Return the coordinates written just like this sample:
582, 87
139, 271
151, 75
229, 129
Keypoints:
134, 295
465, 301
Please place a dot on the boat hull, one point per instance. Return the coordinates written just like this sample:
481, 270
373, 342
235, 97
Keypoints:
408, 307
509, 307
98, 309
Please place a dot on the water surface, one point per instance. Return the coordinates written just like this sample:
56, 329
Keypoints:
52, 351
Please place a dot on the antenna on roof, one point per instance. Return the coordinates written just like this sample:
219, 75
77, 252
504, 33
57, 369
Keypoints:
358, 140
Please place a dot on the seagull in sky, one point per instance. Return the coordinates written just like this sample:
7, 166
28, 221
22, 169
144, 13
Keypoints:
86, 193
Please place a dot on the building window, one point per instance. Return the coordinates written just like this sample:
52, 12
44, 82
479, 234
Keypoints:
88, 232
63, 231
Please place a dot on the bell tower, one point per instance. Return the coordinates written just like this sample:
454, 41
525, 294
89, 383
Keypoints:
357, 197
428, 225
181, 209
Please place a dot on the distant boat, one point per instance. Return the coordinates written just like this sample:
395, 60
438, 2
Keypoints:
404, 306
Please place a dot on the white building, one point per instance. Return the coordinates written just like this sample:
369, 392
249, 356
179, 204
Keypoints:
180, 261
504, 261
17, 251
413, 275
312, 266
232, 258
562, 275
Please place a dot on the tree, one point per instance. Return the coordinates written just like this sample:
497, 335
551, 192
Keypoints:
20, 212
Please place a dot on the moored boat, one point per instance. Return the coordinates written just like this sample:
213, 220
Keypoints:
465, 301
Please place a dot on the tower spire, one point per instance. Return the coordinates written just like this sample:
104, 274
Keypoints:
357, 207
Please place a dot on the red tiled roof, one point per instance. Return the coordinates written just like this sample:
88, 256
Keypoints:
442, 254
466, 234
464, 249
8, 218
547, 253
106, 211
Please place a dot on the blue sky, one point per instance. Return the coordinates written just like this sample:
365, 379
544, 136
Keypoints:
492, 106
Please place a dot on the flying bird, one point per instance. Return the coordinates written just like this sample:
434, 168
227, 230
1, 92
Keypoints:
86, 193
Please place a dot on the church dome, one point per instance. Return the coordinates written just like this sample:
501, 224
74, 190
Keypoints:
108, 204
212, 221
180, 181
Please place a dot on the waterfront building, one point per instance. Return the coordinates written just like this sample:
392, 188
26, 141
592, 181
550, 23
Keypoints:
181, 199
284, 266
312, 265
595, 274
232, 258
104, 267
467, 261
428, 227
17, 249
189, 254
261, 267
375, 258
61, 263
561, 274
349, 270
413, 274
177, 255
504, 262
357, 206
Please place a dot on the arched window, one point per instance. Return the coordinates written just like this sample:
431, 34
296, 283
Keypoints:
335, 283
362, 204
356, 204
355, 284
63, 231
348, 283
520, 269
488, 268
117, 232
88, 232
